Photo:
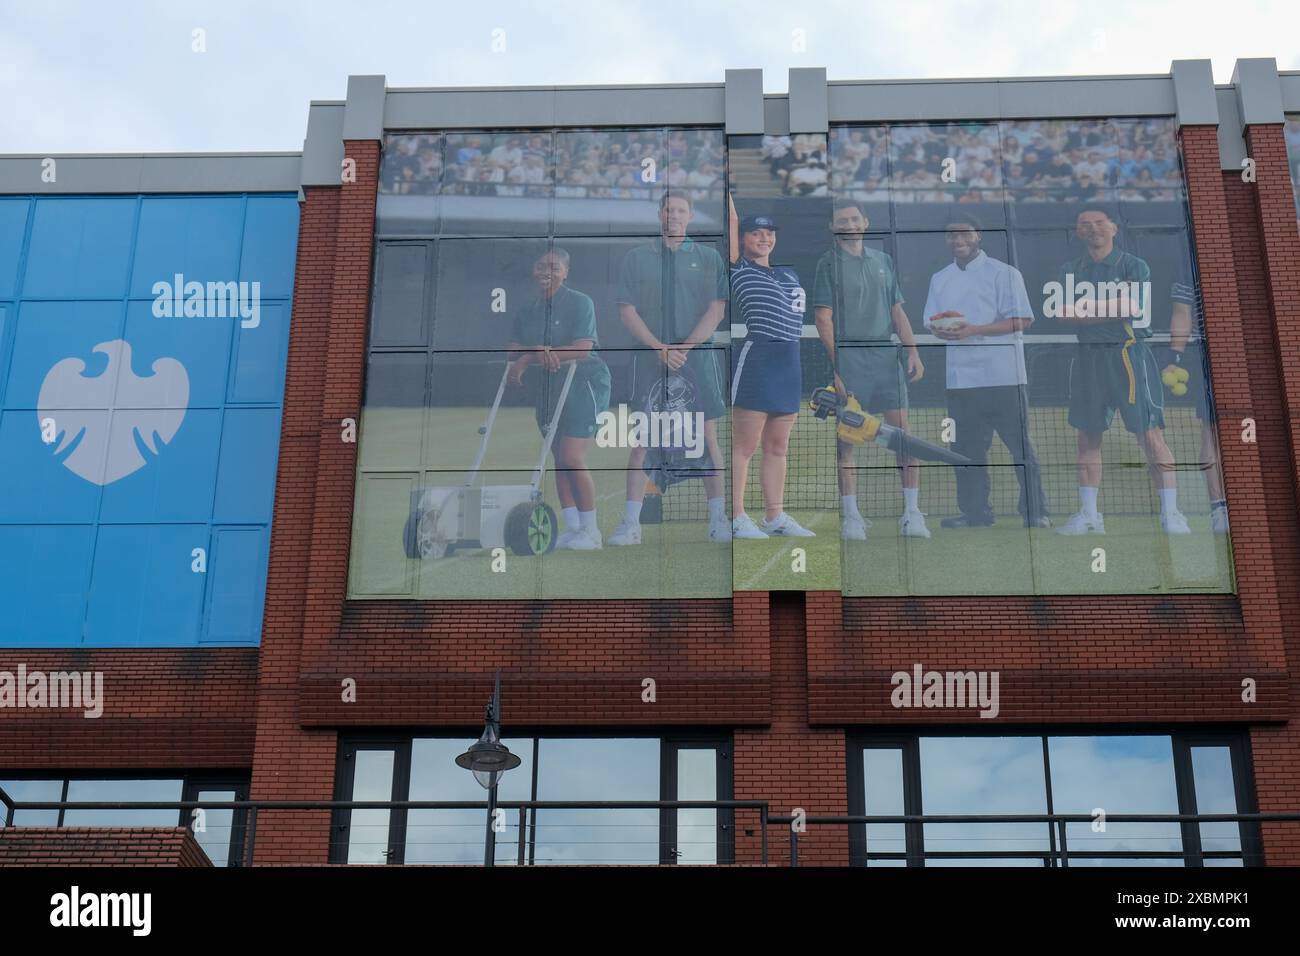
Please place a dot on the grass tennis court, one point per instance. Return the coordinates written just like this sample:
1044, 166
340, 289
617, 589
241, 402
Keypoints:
409, 448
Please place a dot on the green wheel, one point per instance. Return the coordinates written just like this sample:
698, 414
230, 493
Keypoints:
530, 528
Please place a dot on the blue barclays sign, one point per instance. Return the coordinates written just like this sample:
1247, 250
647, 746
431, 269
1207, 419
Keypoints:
138, 450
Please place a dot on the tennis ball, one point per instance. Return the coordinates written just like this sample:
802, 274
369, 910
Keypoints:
1179, 389
1170, 377
1182, 374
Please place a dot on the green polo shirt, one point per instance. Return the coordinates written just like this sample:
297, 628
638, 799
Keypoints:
671, 290
569, 315
861, 291
1116, 267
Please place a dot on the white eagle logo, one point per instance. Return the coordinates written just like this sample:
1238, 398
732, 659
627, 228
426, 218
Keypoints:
99, 416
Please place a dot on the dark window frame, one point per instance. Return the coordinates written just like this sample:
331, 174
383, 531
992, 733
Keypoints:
670, 740
1236, 739
239, 781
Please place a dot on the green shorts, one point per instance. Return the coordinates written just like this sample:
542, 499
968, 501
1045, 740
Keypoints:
706, 367
588, 397
874, 376
1114, 377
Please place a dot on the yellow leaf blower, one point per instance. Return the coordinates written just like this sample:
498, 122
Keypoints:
856, 427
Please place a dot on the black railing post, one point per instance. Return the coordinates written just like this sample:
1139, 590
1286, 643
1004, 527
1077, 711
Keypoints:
1065, 850
762, 820
9, 807
794, 846
252, 835
523, 826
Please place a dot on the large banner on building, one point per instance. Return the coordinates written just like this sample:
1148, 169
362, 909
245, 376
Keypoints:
895, 359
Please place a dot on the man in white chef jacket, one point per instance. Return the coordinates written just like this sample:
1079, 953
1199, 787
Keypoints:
979, 306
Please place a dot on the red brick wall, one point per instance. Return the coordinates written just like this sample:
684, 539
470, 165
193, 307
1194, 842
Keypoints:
162, 708
1269, 267
562, 662
290, 762
100, 846
790, 764
1116, 660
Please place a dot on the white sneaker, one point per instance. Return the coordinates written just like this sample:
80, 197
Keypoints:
744, 527
1219, 519
1082, 523
586, 539
912, 525
783, 526
565, 541
853, 528
628, 532
1174, 522
719, 530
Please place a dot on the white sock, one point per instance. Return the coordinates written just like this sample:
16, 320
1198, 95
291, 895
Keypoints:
632, 512
588, 519
1168, 500
912, 499
849, 506
571, 519
1088, 498
717, 509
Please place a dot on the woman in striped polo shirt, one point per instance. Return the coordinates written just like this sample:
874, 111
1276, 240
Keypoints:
766, 387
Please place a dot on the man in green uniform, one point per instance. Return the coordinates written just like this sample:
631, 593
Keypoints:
559, 326
1104, 296
856, 299
671, 296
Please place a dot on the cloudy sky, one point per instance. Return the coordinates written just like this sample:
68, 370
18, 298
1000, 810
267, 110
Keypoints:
89, 76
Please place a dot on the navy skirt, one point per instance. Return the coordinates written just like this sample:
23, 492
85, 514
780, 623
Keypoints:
767, 377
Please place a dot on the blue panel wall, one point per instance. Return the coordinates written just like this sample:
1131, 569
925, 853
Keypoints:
137, 450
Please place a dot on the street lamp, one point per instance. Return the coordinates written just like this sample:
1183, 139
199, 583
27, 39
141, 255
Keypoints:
489, 759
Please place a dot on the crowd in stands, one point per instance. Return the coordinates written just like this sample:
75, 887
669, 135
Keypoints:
1033, 161
583, 164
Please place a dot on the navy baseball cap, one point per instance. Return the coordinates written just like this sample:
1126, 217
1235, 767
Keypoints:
750, 223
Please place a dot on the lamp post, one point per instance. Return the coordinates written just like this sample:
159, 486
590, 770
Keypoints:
489, 759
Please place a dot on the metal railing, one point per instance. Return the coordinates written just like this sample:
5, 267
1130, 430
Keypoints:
1057, 854
252, 808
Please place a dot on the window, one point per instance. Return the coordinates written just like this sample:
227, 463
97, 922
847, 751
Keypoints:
219, 831
553, 768
1096, 775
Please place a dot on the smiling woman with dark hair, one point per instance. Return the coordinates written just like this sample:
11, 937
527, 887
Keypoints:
766, 387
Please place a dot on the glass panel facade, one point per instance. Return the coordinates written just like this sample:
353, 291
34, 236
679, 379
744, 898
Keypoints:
598, 769
697, 830
882, 772
1100, 776
219, 827
456, 836
368, 833
1216, 793
561, 769
33, 791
